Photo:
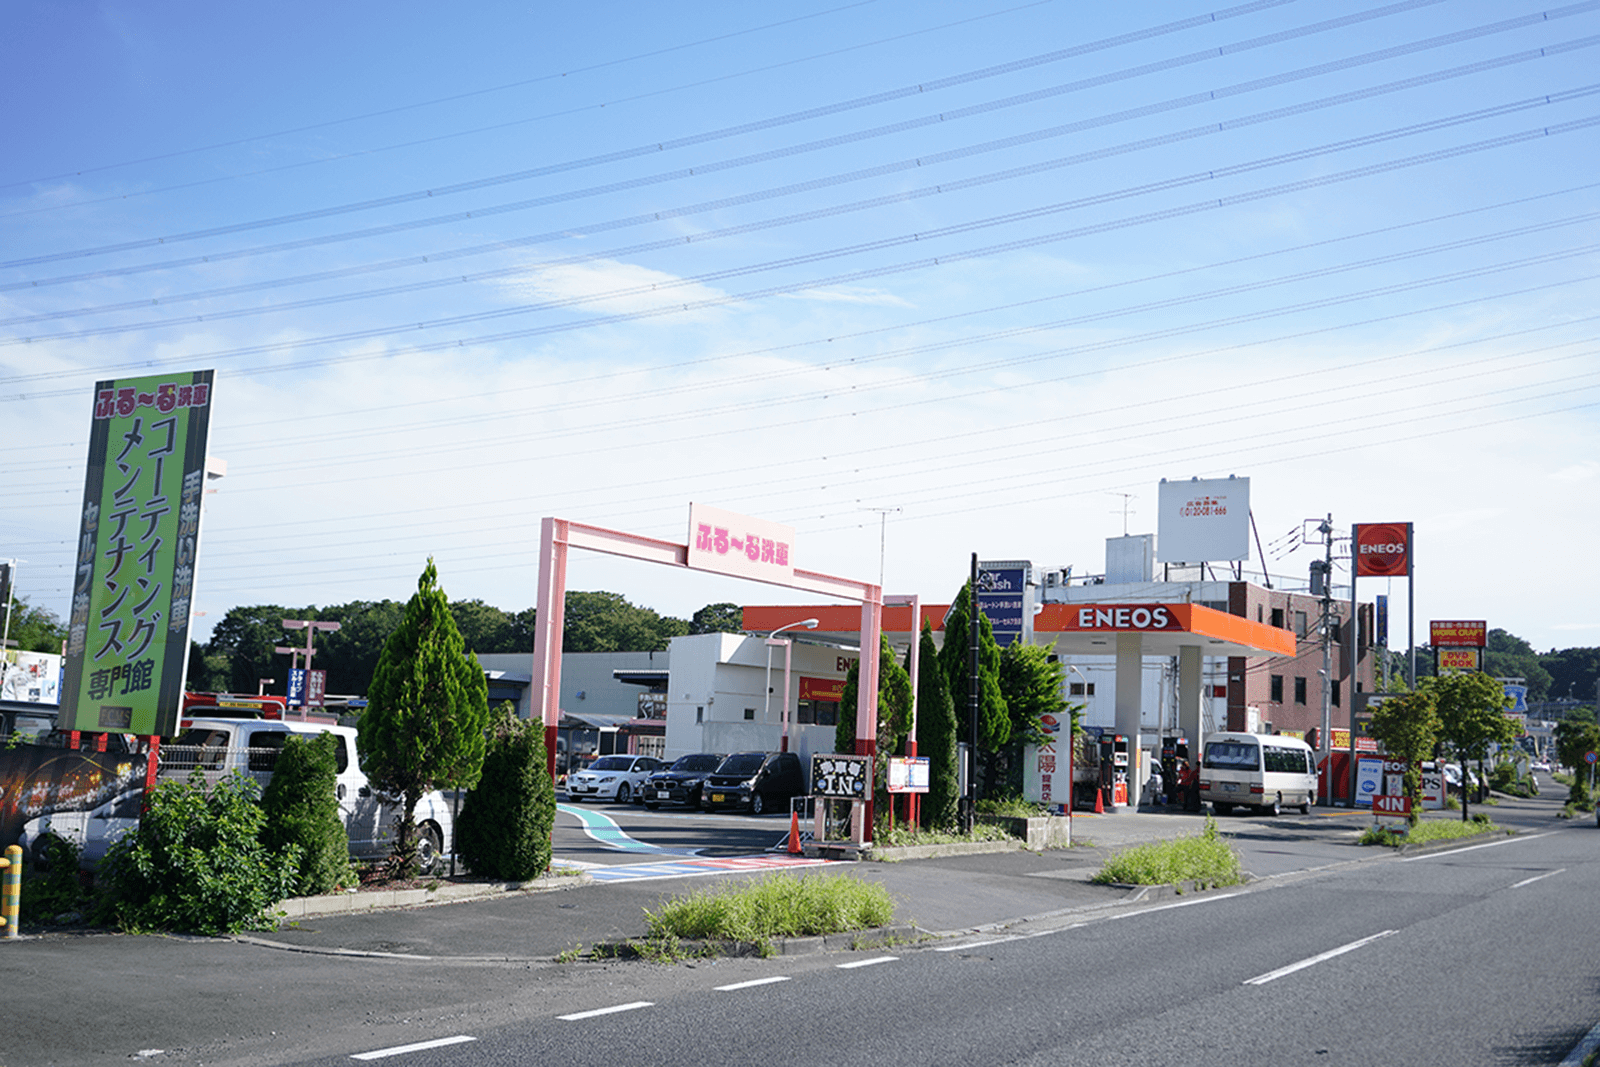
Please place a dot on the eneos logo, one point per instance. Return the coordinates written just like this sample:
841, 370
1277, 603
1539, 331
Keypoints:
1381, 550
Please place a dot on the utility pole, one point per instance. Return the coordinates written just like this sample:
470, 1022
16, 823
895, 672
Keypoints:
1322, 582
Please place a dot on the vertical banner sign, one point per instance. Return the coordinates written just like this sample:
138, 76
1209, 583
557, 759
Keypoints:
1004, 599
128, 637
297, 686
1381, 638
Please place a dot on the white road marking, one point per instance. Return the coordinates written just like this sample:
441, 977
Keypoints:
1469, 848
751, 983
866, 963
1270, 976
1537, 877
636, 1005
401, 1050
977, 944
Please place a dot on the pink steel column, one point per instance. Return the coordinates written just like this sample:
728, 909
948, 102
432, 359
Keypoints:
544, 692
867, 689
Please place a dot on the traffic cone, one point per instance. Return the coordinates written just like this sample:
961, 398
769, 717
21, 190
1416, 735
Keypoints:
794, 833
1099, 802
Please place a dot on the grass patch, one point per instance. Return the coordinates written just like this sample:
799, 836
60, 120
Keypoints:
1203, 858
1011, 808
779, 905
1426, 831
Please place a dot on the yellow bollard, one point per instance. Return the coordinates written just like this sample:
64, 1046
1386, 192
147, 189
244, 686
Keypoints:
11, 889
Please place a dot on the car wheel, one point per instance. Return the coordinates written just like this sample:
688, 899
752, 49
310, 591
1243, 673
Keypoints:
758, 804
1221, 807
624, 794
1311, 801
430, 849
43, 846
1275, 808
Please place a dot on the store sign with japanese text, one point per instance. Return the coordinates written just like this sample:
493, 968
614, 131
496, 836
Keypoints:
730, 543
1002, 594
138, 532
1459, 634
1458, 659
1382, 549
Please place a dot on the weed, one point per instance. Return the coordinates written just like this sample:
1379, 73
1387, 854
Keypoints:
777, 906
1203, 858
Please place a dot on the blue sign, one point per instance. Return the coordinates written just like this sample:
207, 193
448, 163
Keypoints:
1000, 598
297, 686
1381, 638
1519, 694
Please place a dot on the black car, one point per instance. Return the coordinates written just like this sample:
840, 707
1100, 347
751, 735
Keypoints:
681, 782
760, 781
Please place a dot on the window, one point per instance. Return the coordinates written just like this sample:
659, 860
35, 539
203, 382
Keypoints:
699, 715
1080, 689
749, 714
1232, 756
1299, 690
1289, 760
1259, 610
1336, 692
1300, 623
1277, 617
820, 712
1277, 689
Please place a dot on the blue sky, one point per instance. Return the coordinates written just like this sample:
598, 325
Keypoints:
942, 278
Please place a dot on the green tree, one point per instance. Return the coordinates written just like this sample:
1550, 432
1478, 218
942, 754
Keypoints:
244, 640
606, 622
1509, 656
1407, 726
504, 829
426, 711
1031, 681
1573, 672
1471, 709
722, 618
34, 629
302, 813
350, 654
936, 736
486, 629
1576, 737
894, 704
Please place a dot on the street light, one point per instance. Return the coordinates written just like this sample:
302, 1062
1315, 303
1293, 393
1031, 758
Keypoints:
310, 626
788, 651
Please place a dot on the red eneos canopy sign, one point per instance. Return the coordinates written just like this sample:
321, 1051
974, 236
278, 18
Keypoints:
1382, 549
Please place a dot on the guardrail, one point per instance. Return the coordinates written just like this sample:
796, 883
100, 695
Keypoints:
11, 890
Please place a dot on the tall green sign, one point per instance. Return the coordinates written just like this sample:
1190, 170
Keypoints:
128, 637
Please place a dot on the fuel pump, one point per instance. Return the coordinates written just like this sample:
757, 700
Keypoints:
1114, 770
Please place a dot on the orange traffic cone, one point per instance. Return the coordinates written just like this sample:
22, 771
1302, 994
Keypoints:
794, 833
1099, 802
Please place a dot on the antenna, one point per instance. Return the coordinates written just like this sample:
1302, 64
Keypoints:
1126, 497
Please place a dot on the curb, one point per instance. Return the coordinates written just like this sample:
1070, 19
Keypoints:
444, 893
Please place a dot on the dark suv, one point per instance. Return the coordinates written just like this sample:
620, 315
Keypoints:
760, 781
681, 782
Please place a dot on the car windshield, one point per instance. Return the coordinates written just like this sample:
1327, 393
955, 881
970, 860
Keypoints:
612, 763
700, 761
1233, 756
742, 763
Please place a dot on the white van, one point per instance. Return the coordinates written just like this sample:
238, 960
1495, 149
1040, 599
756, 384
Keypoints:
1265, 771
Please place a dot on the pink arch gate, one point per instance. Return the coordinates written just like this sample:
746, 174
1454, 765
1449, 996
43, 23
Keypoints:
720, 542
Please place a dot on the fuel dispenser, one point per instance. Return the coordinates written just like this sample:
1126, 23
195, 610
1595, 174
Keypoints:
1114, 770
1173, 750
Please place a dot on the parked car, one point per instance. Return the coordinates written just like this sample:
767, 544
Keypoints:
617, 778
680, 783
93, 831
219, 747
759, 781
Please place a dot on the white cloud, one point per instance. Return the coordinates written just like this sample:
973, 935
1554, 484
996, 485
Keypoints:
608, 286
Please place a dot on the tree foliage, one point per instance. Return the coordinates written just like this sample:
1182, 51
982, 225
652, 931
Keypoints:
504, 829
1408, 728
34, 629
1575, 738
1509, 656
936, 736
302, 813
1031, 680
894, 704
427, 709
721, 618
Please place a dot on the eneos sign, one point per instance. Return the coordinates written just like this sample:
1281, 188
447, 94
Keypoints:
1122, 617
1382, 549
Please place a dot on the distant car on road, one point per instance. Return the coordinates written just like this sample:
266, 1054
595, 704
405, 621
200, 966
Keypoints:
617, 778
680, 783
758, 781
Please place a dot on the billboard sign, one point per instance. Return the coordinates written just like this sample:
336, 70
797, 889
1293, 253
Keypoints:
30, 677
138, 532
908, 774
1459, 633
1458, 659
841, 777
1382, 549
730, 543
1203, 520
1003, 598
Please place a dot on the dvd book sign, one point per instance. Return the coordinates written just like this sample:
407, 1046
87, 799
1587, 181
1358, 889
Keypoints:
138, 531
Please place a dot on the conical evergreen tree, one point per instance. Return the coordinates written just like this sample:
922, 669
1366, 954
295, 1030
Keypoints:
504, 831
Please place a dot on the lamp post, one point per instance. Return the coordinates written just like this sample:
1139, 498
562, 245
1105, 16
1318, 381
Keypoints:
788, 650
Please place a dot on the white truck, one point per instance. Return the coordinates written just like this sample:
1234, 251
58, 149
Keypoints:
218, 747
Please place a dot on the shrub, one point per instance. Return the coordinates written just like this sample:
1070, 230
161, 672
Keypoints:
504, 828
1202, 858
57, 889
196, 863
301, 807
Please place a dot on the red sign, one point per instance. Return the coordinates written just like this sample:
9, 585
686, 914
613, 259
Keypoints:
821, 689
1382, 549
1121, 617
1383, 805
1459, 634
